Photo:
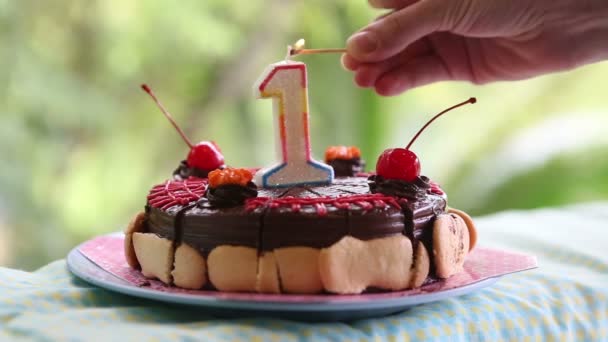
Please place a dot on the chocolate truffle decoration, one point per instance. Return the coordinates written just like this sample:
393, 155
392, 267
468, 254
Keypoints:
415, 190
231, 195
345, 160
230, 187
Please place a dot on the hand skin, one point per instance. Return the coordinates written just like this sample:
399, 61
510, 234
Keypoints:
480, 41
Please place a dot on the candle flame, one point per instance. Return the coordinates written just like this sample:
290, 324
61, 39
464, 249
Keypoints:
299, 45
295, 49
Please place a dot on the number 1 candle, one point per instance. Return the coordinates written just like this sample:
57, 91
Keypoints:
285, 82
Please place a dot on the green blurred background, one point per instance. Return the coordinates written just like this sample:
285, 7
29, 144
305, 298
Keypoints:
81, 144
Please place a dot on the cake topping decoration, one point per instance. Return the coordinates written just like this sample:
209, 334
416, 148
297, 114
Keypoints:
363, 201
172, 193
229, 176
345, 160
402, 163
342, 152
230, 187
414, 190
204, 156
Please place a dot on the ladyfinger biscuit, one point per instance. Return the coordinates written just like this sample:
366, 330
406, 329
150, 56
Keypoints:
298, 269
470, 225
268, 274
422, 265
351, 265
189, 268
233, 268
155, 255
450, 244
135, 226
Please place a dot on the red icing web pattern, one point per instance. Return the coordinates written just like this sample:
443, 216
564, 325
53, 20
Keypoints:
365, 201
171, 193
436, 189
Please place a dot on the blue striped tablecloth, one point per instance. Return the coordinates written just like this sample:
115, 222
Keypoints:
565, 299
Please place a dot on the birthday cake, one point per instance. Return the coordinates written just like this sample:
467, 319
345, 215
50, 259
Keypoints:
301, 226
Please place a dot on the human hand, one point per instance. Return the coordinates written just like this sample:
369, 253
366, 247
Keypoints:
480, 41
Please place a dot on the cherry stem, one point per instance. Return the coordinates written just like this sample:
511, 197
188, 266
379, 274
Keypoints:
471, 100
167, 114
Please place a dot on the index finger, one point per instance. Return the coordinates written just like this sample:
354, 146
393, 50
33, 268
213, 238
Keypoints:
390, 35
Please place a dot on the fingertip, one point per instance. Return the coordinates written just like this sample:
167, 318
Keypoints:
349, 63
365, 77
361, 45
390, 85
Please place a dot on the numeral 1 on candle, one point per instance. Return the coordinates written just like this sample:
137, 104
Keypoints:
285, 82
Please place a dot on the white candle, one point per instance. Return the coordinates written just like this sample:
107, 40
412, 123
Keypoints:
285, 82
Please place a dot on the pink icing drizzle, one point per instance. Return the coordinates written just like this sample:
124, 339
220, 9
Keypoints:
365, 201
171, 193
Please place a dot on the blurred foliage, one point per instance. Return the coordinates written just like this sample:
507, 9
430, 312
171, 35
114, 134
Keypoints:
80, 144
556, 182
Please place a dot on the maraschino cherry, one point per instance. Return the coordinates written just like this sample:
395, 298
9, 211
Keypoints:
205, 155
402, 163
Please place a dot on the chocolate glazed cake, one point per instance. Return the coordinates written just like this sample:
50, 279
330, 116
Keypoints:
295, 240
303, 226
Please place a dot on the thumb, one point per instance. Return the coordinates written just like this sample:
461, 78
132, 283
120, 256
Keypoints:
390, 35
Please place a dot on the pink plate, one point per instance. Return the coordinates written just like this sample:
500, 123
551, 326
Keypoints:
101, 261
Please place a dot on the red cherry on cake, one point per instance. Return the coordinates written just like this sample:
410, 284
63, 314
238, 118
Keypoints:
398, 163
402, 163
205, 156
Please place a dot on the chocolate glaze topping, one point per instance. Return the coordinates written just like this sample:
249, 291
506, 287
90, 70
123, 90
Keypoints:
347, 167
416, 190
284, 228
204, 225
160, 222
231, 195
209, 226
